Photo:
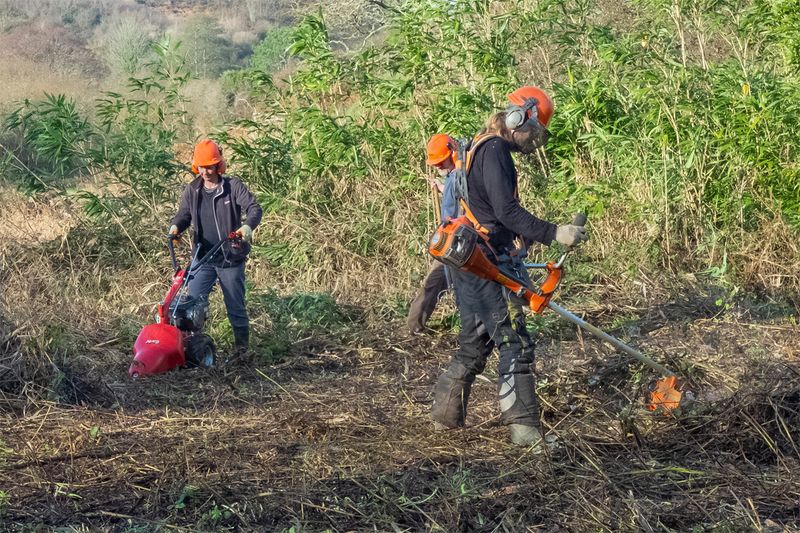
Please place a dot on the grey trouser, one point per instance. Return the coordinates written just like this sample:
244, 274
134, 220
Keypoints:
483, 301
231, 280
424, 303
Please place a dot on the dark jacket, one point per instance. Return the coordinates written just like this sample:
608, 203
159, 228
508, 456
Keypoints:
232, 199
492, 185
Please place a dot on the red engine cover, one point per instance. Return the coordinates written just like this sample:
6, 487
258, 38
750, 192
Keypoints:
158, 348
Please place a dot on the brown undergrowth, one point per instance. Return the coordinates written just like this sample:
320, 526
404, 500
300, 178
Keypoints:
334, 436
326, 426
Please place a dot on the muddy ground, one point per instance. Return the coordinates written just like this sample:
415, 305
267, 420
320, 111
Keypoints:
335, 436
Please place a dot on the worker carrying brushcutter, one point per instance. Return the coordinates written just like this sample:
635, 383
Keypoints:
442, 155
213, 204
486, 186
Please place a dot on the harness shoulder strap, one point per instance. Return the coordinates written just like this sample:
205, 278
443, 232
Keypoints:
463, 166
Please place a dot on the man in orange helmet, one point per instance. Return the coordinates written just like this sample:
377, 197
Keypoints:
213, 204
441, 155
488, 188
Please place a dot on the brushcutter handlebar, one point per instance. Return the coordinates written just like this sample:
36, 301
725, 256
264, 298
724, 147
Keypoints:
578, 220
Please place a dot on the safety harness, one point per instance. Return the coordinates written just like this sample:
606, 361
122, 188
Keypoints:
466, 153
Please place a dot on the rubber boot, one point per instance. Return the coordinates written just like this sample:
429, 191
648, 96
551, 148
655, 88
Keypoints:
450, 397
241, 340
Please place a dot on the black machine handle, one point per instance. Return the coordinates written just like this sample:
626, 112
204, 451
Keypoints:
233, 236
195, 264
171, 238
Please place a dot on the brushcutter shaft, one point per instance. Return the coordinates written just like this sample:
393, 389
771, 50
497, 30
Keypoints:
563, 313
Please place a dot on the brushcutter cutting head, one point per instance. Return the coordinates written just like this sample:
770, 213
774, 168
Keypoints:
666, 395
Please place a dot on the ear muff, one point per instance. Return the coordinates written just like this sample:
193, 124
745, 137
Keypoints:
517, 115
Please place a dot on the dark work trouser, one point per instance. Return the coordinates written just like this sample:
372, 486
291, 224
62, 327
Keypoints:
434, 285
485, 301
231, 280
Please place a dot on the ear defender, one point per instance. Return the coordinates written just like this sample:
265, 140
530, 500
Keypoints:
517, 115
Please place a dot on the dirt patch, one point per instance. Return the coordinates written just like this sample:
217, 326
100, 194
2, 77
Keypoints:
336, 436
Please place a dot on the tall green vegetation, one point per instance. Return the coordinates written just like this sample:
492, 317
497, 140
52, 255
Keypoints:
130, 148
682, 124
208, 51
271, 52
125, 43
676, 132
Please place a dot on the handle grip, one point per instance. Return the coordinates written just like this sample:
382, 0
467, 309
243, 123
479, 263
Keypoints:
171, 245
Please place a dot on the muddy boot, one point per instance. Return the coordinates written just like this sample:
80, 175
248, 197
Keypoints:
241, 341
450, 397
526, 436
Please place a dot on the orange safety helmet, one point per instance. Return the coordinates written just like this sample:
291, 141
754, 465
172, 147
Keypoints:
544, 106
207, 153
440, 147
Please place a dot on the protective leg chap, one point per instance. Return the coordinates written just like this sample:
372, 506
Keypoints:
506, 327
434, 285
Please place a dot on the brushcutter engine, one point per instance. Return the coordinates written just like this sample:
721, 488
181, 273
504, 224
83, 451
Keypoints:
454, 242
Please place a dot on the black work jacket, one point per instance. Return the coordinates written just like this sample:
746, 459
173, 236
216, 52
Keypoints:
232, 199
492, 185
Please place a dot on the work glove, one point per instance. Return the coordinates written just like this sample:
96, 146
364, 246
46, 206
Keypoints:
246, 232
173, 230
570, 235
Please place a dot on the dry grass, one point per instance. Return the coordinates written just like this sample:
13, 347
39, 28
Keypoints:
27, 79
337, 437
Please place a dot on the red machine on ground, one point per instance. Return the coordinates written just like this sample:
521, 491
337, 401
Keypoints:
177, 338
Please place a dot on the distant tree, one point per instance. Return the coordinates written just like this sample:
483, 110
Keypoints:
208, 51
125, 42
271, 52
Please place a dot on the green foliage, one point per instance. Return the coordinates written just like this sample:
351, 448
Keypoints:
208, 52
262, 155
778, 22
270, 53
138, 132
188, 492
53, 139
125, 42
292, 318
312, 45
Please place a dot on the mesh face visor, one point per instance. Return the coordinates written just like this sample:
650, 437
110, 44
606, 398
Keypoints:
532, 115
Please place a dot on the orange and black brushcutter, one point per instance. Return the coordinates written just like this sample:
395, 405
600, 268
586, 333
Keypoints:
456, 244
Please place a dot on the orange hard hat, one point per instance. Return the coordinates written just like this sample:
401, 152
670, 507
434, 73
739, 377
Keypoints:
207, 153
544, 106
440, 147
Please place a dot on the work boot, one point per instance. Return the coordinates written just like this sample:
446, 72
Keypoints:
526, 436
241, 341
450, 397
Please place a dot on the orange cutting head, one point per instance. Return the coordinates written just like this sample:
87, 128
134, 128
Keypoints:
665, 395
